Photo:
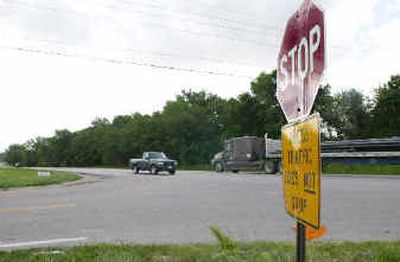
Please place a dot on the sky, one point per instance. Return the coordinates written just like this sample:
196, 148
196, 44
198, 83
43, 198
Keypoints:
65, 62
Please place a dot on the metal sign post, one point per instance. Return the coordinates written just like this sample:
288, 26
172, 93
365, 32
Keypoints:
301, 243
301, 62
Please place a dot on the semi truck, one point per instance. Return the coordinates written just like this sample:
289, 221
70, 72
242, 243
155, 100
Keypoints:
256, 153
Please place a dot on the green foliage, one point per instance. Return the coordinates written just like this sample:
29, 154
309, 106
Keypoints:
386, 117
346, 115
353, 114
16, 154
192, 127
256, 112
324, 105
225, 242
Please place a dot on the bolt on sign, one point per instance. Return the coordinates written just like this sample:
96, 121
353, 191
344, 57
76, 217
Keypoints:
301, 61
302, 170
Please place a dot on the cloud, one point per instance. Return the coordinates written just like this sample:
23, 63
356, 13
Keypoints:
203, 35
396, 4
362, 46
345, 20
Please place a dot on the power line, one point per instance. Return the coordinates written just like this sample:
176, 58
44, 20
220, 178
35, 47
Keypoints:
152, 24
137, 51
251, 25
205, 59
226, 9
120, 61
180, 18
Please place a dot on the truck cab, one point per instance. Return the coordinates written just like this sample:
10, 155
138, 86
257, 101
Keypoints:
248, 153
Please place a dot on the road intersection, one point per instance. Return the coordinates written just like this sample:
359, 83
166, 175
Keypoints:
114, 205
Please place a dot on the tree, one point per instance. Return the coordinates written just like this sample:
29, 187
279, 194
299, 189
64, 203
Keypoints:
325, 105
192, 126
386, 117
60, 146
256, 112
100, 122
353, 112
269, 114
16, 154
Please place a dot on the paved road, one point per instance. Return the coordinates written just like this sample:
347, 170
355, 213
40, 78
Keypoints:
113, 205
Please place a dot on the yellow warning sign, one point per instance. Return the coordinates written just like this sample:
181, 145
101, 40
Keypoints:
301, 164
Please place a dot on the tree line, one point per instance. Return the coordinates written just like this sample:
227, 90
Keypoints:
192, 127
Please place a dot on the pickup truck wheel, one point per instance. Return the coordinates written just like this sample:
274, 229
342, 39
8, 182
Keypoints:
172, 172
136, 170
269, 167
153, 170
218, 167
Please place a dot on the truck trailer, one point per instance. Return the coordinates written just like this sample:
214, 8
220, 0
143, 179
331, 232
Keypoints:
256, 153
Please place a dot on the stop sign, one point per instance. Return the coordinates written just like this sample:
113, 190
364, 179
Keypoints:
301, 61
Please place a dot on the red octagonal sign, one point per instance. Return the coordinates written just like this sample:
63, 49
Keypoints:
301, 61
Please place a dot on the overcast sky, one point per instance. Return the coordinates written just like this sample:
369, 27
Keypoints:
65, 62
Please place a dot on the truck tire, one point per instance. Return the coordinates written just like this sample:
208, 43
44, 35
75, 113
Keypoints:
154, 170
218, 167
135, 170
171, 172
270, 167
280, 168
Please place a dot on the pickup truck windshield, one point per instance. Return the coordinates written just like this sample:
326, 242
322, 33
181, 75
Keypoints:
153, 155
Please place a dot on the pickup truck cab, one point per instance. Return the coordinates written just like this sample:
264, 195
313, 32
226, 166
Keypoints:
153, 162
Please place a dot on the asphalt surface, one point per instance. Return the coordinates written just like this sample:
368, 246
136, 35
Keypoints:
111, 205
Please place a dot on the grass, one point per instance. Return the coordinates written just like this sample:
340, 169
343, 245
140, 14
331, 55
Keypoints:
254, 251
18, 177
362, 169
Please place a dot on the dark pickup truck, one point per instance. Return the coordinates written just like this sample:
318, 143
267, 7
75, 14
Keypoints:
153, 162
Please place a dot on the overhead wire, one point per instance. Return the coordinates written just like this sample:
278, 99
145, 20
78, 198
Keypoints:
227, 10
152, 24
121, 61
130, 61
137, 51
53, 9
249, 24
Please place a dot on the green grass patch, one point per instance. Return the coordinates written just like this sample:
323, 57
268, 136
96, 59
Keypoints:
362, 169
18, 177
254, 251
